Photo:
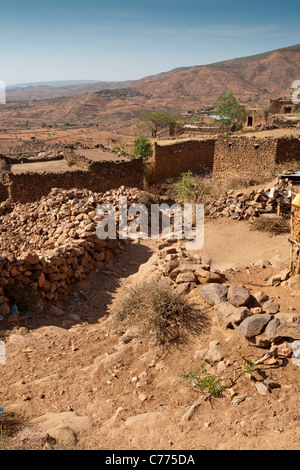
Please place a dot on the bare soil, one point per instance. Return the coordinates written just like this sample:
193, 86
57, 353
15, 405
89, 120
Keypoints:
62, 373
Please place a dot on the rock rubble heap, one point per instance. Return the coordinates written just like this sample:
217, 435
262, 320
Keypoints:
252, 203
257, 317
185, 271
49, 244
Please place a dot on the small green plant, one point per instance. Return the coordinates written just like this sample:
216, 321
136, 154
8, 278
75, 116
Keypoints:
205, 383
121, 149
170, 180
249, 367
189, 189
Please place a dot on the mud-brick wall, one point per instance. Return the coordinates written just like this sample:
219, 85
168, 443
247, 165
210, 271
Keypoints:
173, 159
4, 193
242, 156
288, 148
101, 177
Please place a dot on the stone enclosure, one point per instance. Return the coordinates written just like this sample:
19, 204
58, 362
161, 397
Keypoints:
92, 169
99, 170
223, 155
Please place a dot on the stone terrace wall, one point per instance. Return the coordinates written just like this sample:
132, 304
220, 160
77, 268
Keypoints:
173, 159
243, 156
288, 148
203, 130
95, 176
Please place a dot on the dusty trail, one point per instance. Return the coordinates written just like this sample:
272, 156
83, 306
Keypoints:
90, 387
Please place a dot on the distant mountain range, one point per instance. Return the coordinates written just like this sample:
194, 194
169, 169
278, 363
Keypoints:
59, 83
253, 79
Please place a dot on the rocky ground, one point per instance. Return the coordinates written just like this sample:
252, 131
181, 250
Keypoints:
74, 381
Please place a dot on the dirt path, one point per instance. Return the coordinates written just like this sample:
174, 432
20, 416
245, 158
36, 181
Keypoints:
91, 388
229, 245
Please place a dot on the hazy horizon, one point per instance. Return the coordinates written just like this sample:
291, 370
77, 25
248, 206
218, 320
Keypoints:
119, 40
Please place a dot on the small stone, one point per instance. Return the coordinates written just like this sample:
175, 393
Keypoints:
271, 383
274, 280
32, 258
183, 288
4, 310
285, 274
230, 315
221, 367
271, 307
13, 320
213, 354
261, 297
262, 388
142, 396
57, 312
185, 277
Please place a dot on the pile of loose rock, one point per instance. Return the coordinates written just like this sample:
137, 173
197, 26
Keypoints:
257, 317
49, 244
185, 271
252, 203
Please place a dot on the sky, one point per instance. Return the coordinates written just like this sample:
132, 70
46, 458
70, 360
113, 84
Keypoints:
116, 40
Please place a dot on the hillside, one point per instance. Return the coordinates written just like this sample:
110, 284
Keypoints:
249, 77
100, 112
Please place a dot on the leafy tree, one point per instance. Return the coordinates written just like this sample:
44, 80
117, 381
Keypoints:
143, 147
155, 121
230, 111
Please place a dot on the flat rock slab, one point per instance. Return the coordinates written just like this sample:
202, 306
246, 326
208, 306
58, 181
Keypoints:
214, 293
279, 329
69, 419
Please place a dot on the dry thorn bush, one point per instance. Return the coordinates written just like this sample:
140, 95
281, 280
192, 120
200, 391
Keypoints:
158, 311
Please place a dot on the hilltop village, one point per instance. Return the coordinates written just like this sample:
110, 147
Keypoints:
91, 360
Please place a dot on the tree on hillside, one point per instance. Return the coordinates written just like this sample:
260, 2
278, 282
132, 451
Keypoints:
230, 111
156, 121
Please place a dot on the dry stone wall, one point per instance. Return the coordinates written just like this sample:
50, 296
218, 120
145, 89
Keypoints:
100, 176
173, 159
51, 243
244, 156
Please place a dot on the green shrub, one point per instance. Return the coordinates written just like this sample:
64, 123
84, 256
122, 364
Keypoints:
143, 147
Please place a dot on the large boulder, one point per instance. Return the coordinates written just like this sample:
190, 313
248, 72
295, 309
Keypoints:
238, 296
284, 327
254, 325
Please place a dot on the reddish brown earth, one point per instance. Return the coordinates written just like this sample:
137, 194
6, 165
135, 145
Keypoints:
99, 115
62, 374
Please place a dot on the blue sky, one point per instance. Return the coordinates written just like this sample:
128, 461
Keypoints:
110, 40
